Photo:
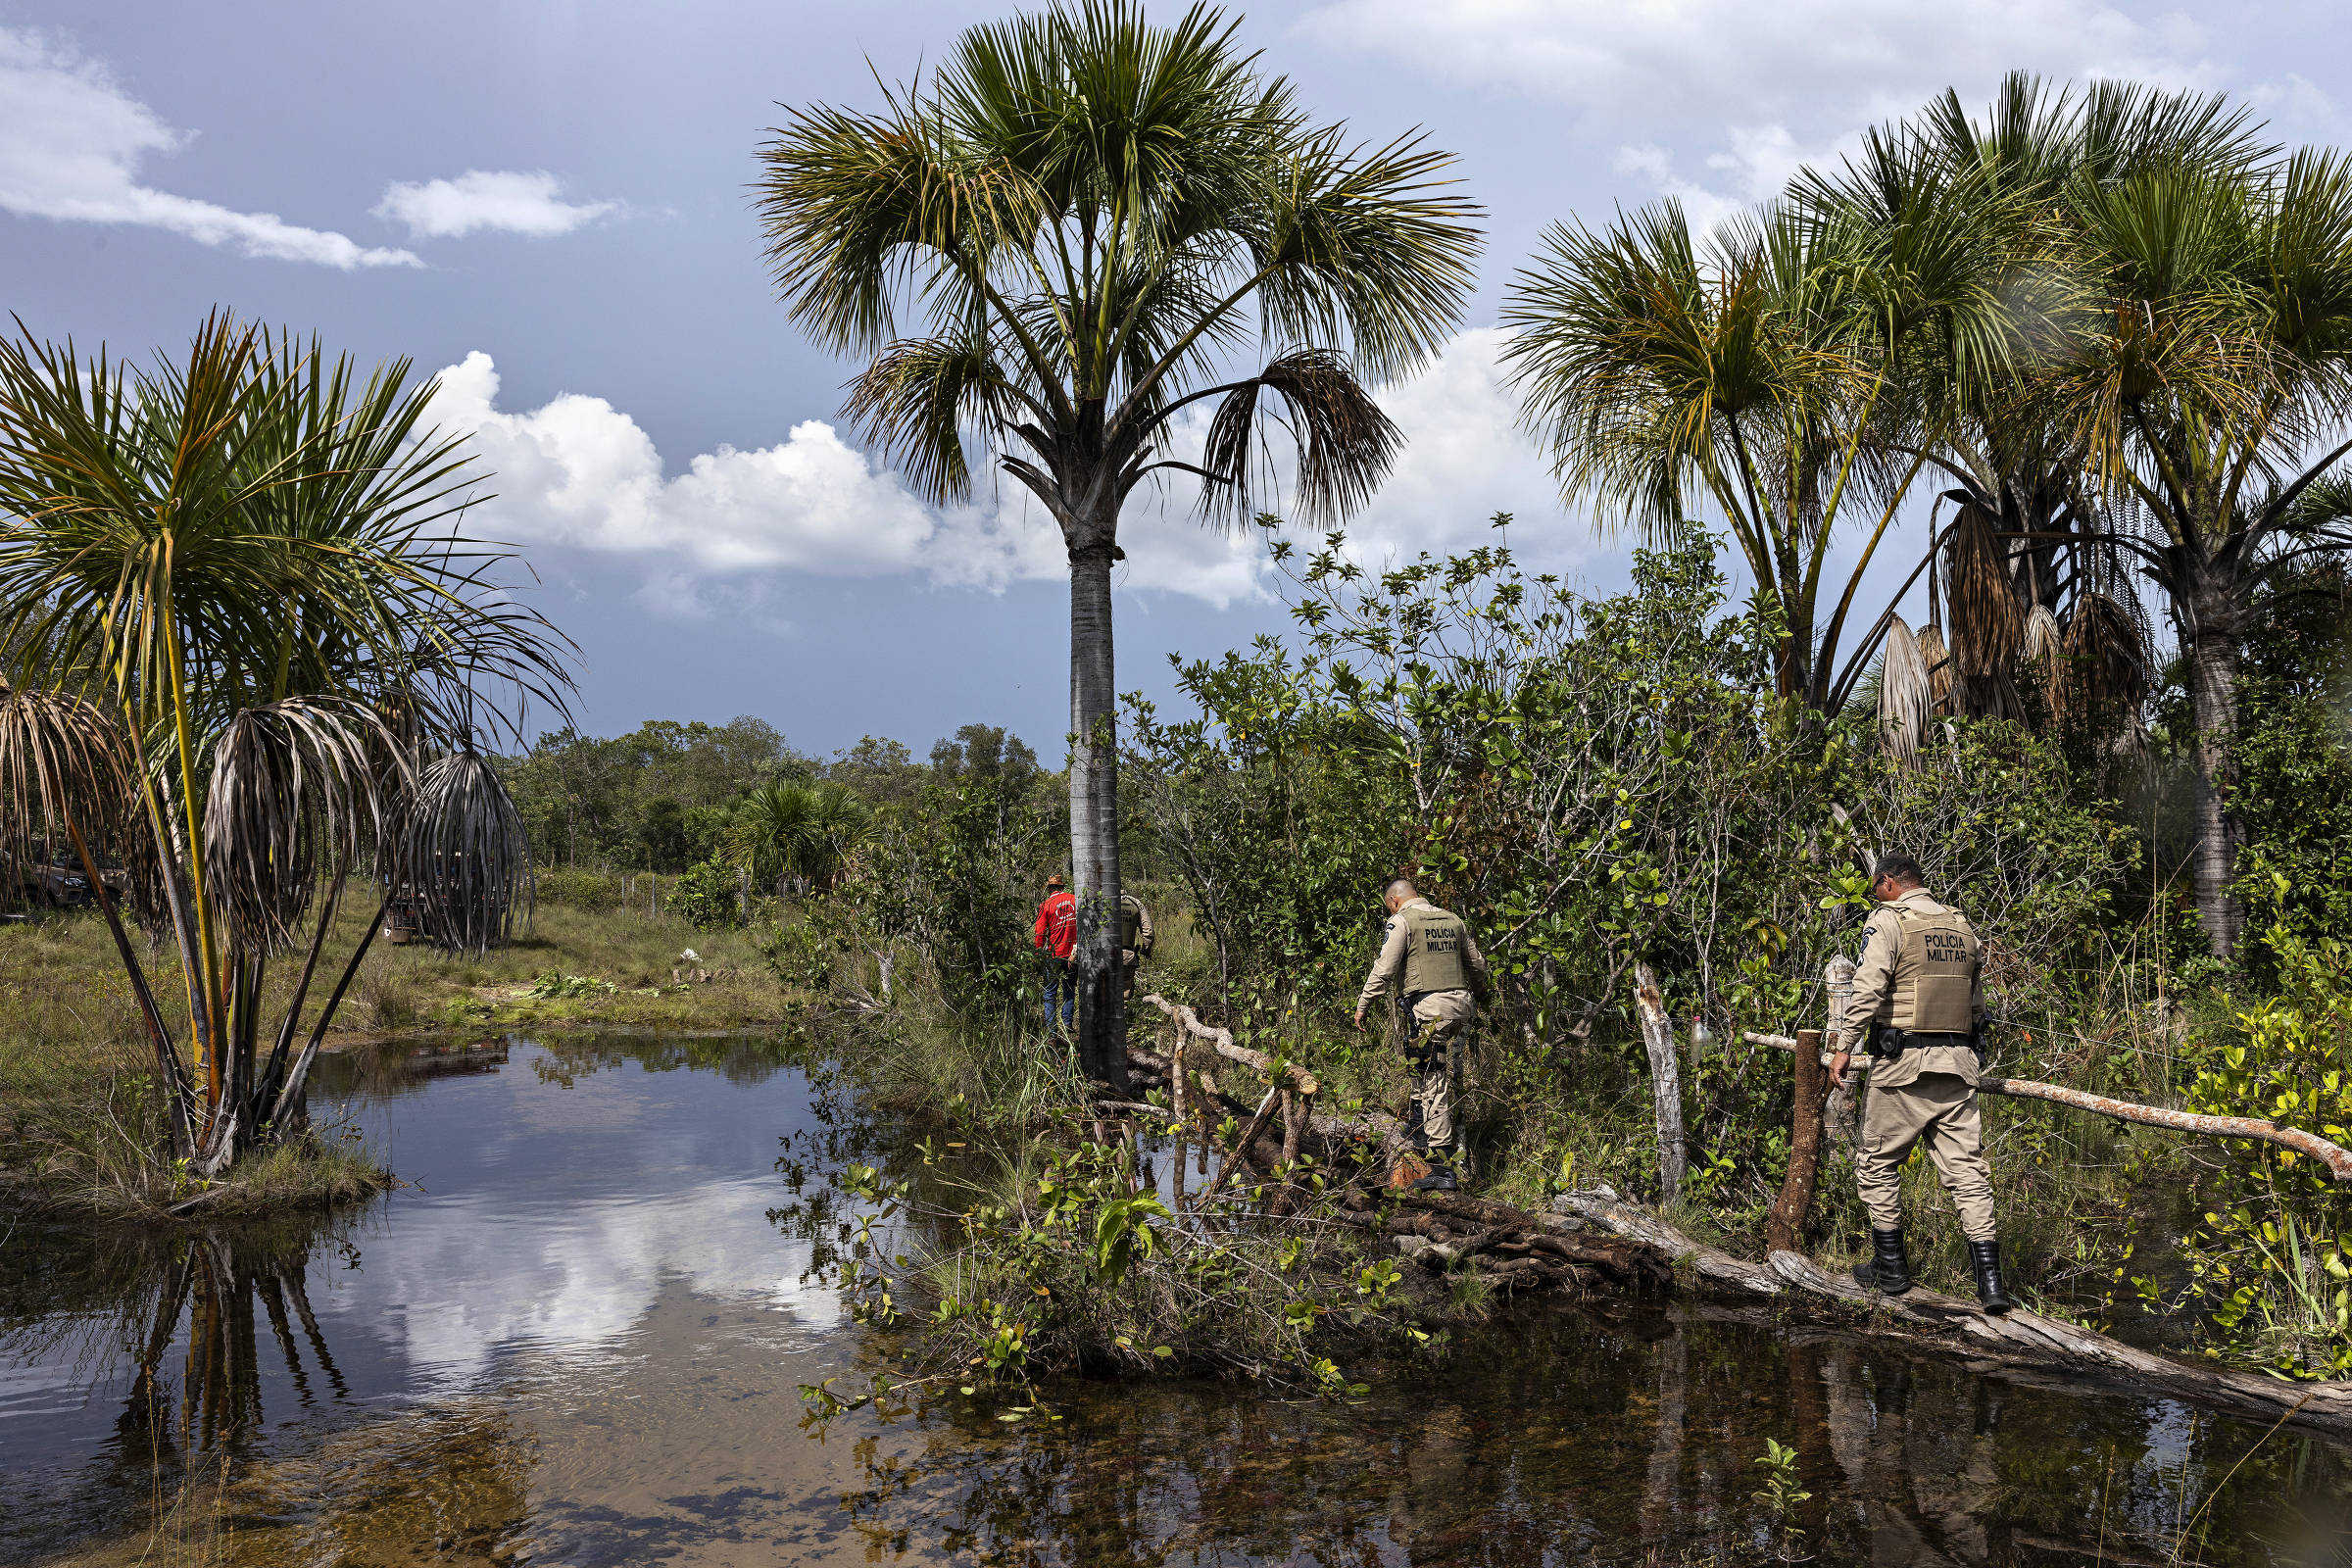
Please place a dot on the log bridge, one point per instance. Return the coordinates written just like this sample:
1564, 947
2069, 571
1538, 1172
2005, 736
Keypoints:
1595, 1239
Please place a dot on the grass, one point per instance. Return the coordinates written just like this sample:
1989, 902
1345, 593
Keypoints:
81, 1122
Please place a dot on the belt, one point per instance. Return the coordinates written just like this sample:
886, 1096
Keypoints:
1886, 1040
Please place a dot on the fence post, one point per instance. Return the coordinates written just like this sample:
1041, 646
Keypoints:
1837, 1111
1665, 1081
1784, 1226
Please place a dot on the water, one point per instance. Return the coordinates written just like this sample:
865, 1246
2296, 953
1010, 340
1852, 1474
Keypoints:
577, 1336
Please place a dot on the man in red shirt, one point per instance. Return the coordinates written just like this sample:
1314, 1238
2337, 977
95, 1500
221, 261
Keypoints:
1056, 936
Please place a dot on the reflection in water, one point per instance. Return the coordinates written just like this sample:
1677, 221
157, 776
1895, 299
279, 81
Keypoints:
577, 1337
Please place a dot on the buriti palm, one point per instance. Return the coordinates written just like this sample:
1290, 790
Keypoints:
1091, 218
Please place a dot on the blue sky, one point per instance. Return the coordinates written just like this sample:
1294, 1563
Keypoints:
546, 204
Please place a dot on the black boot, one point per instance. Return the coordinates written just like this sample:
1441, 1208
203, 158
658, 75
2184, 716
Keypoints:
1886, 1270
1440, 1178
1987, 1255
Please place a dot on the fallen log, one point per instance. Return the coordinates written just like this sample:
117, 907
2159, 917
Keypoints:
1962, 1328
2333, 1158
1588, 1234
1221, 1040
1564, 1236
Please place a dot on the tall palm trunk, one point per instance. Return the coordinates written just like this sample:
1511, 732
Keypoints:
2214, 639
1095, 813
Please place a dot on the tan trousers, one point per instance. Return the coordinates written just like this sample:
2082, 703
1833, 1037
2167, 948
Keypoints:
1440, 1018
1942, 1109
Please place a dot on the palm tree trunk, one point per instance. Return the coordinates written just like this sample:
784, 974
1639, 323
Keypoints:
2216, 650
1094, 815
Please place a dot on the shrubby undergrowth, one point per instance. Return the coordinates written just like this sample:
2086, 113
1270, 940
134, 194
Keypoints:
1594, 781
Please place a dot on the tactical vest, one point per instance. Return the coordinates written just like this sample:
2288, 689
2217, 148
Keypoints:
1934, 971
1433, 950
1131, 921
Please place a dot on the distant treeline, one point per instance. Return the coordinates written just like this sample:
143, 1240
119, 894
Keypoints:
663, 797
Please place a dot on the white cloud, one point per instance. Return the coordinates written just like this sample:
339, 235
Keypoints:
72, 142
1464, 461
580, 474
511, 202
1669, 60
1764, 88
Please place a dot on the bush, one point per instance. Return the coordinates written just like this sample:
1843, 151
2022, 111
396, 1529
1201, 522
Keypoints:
594, 891
705, 896
1072, 1266
2268, 1257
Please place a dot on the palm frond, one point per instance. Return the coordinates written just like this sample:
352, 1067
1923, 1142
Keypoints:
1987, 621
462, 855
1345, 441
1936, 660
63, 767
2108, 656
293, 790
1904, 698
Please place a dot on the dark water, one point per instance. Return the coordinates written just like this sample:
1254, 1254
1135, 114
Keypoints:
577, 1339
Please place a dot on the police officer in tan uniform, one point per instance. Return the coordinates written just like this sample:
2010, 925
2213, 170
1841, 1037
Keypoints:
1429, 955
1918, 1008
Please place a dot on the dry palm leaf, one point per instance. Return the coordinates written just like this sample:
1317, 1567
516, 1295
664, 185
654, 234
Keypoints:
1904, 699
63, 769
1988, 624
2108, 656
1938, 663
2046, 657
463, 857
291, 782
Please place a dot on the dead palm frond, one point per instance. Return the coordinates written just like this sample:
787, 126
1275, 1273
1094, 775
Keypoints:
1936, 661
293, 790
65, 769
63, 773
1987, 619
1904, 696
2108, 657
2043, 649
462, 854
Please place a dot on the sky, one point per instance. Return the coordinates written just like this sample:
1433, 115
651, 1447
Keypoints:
547, 205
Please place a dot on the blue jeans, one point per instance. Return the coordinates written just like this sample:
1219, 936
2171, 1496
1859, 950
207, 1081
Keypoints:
1061, 982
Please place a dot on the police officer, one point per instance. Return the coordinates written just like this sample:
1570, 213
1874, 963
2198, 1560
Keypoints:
1918, 1008
1134, 941
1430, 954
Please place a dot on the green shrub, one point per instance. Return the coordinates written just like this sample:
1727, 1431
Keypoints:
594, 891
705, 896
2268, 1257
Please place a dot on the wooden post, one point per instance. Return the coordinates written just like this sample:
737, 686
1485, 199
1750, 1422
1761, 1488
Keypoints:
1177, 1131
1784, 1226
1665, 1081
1838, 1111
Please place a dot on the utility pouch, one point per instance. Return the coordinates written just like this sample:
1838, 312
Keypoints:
1417, 1054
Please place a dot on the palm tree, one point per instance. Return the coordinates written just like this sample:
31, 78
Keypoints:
1085, 211
1762, 372
232, 558
2028, 508
2210, 390
785, 830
